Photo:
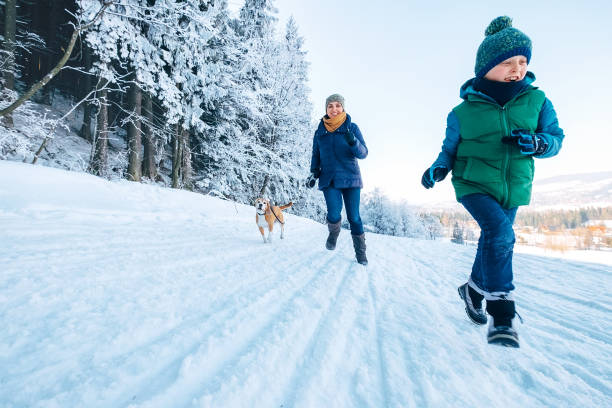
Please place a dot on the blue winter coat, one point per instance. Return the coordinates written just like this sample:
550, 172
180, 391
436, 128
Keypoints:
548, 128
335, 158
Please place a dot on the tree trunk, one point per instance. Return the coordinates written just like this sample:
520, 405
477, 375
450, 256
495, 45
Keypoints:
262, 192
10, 20
186, 168
133, 131
149, 168
52, 19
99, 162
176, 155
87, 107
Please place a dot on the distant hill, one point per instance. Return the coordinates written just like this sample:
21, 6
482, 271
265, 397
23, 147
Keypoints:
567, 191
573, 190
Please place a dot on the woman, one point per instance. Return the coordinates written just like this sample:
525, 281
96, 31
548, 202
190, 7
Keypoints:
336, 146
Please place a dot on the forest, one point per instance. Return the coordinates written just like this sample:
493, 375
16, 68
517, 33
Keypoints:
222, 99
181, 93
558, 229
553, 219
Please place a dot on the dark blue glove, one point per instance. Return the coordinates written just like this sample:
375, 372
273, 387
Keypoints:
312, 179
430, 177
528, 143
350, 138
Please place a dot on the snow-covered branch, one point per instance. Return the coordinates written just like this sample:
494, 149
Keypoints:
77, 31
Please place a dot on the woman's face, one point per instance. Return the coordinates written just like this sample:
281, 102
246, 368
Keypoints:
334, 108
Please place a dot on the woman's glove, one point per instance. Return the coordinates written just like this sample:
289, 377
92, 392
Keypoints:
439, 173
528, 143
350, 138
312, 179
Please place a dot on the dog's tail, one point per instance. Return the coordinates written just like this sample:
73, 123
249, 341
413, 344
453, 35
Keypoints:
282, 207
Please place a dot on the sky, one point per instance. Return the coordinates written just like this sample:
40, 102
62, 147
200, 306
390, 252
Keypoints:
400, 64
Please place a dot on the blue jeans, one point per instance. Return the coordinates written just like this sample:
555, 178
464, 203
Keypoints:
492, 269
333, 200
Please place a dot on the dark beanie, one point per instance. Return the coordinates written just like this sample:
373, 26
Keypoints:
502, 41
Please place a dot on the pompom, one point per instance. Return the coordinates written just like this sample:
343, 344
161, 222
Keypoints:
498, 24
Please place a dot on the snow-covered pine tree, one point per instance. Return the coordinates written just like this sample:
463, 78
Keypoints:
278, 122
297, 130
219, 145
383, 216
432, 226
289, 111
457, 237
116, 42
260, 59
129, 51
183, 42
411, 223
257, 19
374, 211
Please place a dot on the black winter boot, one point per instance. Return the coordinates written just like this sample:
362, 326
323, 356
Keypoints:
360, 248
334, 231
501, 328
473, 304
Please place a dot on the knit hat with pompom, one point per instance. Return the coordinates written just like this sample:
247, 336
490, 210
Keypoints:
502, 41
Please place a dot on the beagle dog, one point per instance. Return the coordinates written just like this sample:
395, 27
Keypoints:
266, 216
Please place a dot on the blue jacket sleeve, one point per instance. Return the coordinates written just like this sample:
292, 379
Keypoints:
315, 161
446, 158
360, 150
549, 130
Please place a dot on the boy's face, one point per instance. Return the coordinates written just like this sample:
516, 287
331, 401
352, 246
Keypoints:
510, 70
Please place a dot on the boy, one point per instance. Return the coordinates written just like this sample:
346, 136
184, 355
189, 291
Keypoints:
491, 139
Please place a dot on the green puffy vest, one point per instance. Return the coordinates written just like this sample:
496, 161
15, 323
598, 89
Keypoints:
483, 163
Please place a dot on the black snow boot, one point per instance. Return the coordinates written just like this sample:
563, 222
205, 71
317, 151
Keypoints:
473, 304
334, 231
501, 328
360, 248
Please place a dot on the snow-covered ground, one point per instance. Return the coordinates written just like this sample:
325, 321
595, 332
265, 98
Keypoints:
603, 256
118, 294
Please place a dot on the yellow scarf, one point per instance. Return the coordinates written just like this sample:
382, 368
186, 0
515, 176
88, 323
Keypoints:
331, 124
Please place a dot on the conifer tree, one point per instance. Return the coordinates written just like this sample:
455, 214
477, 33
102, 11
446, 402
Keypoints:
457, 237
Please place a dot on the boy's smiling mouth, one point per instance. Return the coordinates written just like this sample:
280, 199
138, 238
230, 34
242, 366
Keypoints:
512, 78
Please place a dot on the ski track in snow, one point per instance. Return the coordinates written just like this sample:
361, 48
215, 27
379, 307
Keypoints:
148, 299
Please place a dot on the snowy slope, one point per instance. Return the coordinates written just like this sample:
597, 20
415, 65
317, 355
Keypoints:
127, 295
